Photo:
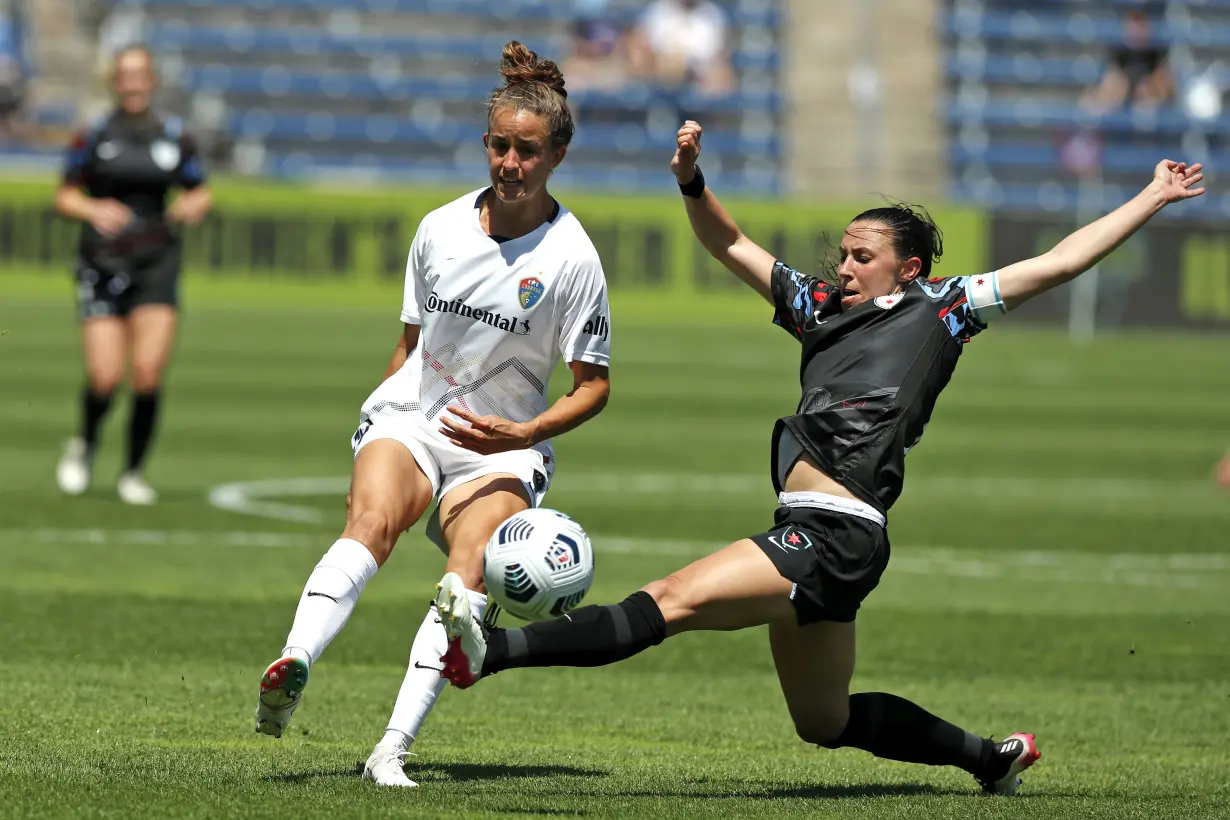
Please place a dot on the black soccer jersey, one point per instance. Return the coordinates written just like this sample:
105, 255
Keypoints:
870, 374
135, 160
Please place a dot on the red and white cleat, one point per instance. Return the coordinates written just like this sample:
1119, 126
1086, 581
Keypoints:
281, 688
1020, 751
463, 660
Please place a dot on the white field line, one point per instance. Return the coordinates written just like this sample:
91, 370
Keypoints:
257, 497
1147, 570
249, 497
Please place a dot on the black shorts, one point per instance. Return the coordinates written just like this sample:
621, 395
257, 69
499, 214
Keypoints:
835, 559
114, 290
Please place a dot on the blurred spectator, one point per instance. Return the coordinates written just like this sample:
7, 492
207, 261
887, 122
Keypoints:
1202, 93
1138, 73
14, 68
684, 42
599, 56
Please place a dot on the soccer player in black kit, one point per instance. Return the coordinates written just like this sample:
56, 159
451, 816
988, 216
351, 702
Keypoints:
117, 178
879, 344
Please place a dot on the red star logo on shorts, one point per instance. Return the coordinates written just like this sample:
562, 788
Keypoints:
982, 281
793, 538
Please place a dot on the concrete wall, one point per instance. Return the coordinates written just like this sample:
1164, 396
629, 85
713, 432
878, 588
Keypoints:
838, 52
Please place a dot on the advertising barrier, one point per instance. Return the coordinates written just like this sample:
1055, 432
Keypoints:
1173, 273
271, 231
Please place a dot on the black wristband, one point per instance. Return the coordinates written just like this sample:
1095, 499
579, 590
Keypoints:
694, 188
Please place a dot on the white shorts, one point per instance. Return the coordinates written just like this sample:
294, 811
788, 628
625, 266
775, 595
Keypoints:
445, 464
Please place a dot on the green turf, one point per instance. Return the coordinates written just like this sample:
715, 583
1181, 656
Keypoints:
1061, 565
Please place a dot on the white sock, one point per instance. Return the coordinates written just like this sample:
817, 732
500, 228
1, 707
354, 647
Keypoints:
330, 595
423, 684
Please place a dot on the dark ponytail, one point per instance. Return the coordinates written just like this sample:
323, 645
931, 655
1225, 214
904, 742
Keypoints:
912, 230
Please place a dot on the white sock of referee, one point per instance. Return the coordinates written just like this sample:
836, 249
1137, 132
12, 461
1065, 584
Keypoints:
423, 683
330, 595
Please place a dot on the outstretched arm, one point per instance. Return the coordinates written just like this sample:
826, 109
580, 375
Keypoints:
1172, 182
714, 227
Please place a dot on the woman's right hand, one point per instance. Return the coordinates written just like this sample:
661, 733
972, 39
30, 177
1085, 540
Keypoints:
109, 217
683, 165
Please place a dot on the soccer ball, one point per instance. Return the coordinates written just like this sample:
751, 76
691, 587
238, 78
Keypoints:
538, 564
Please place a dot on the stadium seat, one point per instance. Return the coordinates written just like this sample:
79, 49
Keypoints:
298, 83
1016, 72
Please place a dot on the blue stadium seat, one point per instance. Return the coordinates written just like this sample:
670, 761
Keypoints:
306, 85
741, 14
386, 130
1056, 197
303, 166
1025, 113
1016, 72
1124, 159
303, 40
1082, 29
279, 82
1025, 69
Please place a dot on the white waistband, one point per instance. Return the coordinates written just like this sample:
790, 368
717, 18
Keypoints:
834, 503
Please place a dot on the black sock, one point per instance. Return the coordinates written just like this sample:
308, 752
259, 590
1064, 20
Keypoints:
896, 729
94, 408
590, 636
141, 427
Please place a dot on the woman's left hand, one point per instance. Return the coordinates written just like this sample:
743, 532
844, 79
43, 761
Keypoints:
1176, 181
486, 434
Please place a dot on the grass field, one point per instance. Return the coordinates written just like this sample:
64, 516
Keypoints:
1061, 565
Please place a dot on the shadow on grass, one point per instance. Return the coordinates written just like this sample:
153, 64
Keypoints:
458, 772
497, 771
810, 792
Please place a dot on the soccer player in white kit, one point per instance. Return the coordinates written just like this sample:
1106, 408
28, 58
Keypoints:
499, 283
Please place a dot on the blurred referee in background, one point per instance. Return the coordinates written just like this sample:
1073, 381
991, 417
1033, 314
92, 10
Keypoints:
116, 180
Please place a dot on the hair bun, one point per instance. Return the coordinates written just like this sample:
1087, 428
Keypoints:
520, 66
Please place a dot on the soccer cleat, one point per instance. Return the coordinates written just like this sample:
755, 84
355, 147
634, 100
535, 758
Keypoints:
463, 660
384, 767
133, 489
73, 470
1019, 752
281, 688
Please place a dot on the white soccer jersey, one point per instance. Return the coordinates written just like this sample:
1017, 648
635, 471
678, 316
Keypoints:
496, 316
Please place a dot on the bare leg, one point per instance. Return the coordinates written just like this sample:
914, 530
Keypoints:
389, 492
469, 515
104, 344
815, 664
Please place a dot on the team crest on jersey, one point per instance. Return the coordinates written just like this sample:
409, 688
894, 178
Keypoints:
165, 154
887, 302
530, 292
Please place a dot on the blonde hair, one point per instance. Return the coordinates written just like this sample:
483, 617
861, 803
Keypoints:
120, 53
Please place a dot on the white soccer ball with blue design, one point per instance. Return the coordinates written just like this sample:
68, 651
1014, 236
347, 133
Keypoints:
538, 564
